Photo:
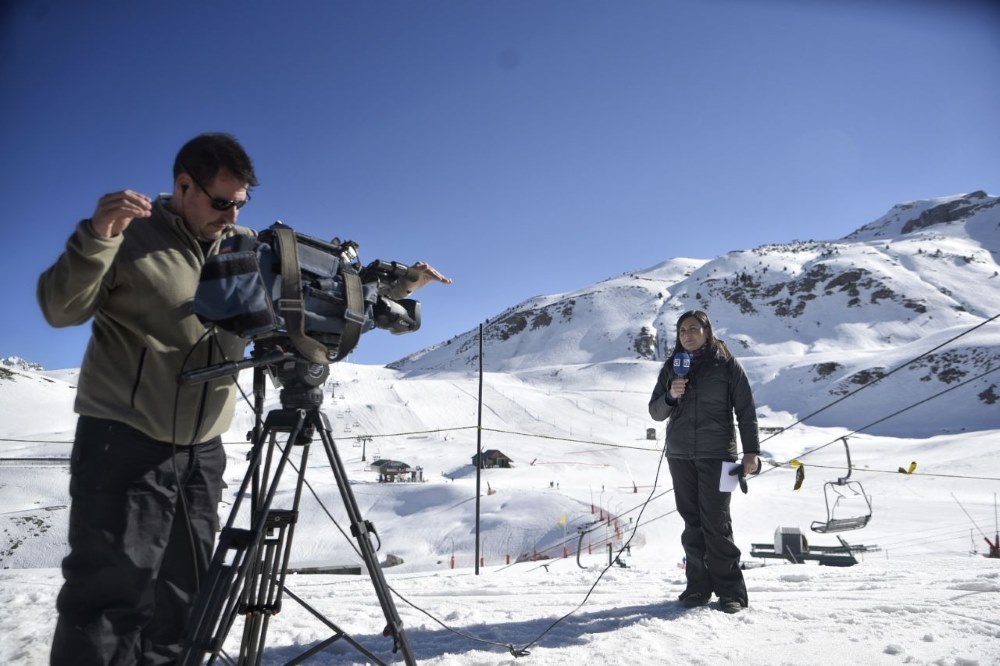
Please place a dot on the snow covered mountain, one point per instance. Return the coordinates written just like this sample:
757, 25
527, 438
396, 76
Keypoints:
19, 363
895, 289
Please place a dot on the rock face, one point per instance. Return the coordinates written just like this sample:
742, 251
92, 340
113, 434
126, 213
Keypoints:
19, 363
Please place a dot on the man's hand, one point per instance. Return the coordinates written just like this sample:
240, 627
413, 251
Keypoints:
751, 463
116, 211
425, 275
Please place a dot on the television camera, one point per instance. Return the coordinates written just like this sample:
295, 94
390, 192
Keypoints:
314, 293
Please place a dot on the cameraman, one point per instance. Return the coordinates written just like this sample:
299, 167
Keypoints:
147, 463
137, 548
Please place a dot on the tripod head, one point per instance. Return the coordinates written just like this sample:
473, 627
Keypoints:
301, 380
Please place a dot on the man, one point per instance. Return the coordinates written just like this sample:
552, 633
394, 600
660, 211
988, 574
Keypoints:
147, 462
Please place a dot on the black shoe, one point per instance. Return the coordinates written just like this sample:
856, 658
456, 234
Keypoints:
695, 599
730, 606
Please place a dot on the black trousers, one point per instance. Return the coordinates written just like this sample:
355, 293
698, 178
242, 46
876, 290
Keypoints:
137, 555
713, 559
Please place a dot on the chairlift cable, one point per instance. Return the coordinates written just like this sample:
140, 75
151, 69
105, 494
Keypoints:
569, 439
894, 414
877, 380
869, 470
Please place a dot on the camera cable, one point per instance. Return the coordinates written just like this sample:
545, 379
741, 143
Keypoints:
184, 509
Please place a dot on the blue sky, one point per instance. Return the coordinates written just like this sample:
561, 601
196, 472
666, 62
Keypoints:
522, 147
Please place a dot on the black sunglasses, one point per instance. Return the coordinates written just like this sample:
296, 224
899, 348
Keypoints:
218, 203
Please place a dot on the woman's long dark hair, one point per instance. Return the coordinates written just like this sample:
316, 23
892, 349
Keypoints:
712, 343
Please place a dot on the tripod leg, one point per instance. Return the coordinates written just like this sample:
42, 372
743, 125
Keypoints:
248, 569
340, 634
361, 530
237, 553
262, 594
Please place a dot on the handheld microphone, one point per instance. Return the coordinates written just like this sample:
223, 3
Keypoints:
682, 364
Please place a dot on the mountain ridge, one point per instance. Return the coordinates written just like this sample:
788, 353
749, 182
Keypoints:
926, 270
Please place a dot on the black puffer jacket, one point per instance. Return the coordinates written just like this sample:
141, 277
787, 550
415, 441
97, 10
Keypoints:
701, 422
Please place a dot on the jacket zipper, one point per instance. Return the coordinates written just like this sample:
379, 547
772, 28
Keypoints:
138, 377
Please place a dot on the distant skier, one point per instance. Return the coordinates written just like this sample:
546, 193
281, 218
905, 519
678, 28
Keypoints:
700, 436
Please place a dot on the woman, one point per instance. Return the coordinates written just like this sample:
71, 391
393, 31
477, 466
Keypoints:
700, 436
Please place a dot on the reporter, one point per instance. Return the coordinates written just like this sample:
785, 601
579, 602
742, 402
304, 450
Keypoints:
700, 436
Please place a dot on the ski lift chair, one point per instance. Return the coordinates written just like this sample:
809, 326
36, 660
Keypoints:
838, 490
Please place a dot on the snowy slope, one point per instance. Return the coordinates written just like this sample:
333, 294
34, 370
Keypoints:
890, 292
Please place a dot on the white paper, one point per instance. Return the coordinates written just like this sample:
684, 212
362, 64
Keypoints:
728, 484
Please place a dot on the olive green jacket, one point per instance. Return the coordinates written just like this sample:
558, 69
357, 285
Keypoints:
139, 288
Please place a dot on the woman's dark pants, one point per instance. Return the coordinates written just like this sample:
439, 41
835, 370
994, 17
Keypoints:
713, 560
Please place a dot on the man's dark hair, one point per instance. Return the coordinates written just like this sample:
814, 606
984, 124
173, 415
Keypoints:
204, 155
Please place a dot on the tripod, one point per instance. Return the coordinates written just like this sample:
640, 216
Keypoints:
248, 569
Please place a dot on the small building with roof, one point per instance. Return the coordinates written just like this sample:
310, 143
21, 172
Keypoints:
492, 458
396, 471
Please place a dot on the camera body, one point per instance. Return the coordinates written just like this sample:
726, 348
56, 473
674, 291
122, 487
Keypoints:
315, 293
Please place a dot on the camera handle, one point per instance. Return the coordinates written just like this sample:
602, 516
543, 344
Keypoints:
232, 368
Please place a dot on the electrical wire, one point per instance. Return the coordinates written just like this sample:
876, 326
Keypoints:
184, 508
627, 544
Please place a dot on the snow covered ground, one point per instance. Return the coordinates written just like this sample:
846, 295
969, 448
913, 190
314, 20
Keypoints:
580, 454
938, 611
